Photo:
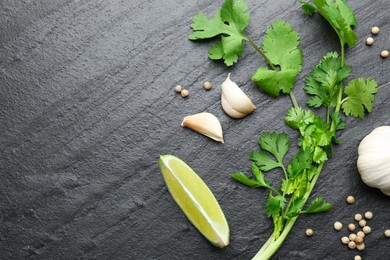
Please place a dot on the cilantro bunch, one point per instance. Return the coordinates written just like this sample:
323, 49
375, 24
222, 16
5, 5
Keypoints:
325, 88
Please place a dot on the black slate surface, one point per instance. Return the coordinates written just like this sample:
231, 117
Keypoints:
87, 105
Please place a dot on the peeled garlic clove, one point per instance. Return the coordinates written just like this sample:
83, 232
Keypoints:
206, 124
234, 101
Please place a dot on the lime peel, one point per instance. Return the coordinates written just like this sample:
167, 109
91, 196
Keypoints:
195, 200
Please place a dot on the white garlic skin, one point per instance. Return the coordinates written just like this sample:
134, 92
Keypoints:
206, 124
374, 159
234, 101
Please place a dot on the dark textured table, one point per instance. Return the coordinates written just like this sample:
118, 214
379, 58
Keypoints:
87, 105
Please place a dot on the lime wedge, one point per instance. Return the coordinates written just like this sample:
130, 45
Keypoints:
195, 199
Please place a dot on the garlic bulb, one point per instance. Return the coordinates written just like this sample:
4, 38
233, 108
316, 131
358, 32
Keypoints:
374, 159
234, 101
206, 124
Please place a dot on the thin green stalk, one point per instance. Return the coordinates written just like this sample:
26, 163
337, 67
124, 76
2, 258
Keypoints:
293, 100
340, 94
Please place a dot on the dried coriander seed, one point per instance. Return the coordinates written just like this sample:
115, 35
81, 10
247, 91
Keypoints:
309, 232
178, 88
368, 215
352, 245
384, 54
362, 223
345, 240
207, 85
358, 217
185, 93
370, 41
350, 200
375, 30
366, 230
351, 227
338, 226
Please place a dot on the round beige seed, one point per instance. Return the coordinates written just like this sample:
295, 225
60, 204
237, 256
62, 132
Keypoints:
360, 234
351, 227
370, 41
309, 232
368, 215
362, 223
384, 54
178, 88
345, 240
375, 30
207, 85
359, 240
387, 233
357, 257
185, 93
352, 237
338, 226
358, 217
366, 230
352, 245
350, 200
360, 247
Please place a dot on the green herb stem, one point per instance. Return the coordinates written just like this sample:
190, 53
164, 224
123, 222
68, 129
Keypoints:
261, 53
272, 244
293, 100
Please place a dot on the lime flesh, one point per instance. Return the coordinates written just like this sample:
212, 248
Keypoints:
195, 199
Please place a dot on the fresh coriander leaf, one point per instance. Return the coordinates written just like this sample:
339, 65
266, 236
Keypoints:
318, 205
229, 22
324, 82
259, 176
308, 8
276, 144
340, 17
289, 186
319, 155
264, 161
361, 93
296, 206
300, 162
296, 117
275, 205
241, 177
280, 45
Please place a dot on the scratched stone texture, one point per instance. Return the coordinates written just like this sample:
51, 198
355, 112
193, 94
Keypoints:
87, 105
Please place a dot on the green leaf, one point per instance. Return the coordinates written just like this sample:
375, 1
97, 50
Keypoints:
319, 155
297, 117
361, 94
296, 206
264, 161
300, 162
276, 144
318, 205
229, 23
280, 45
259, 176
324, 82
241, 177
340, 17
275, 205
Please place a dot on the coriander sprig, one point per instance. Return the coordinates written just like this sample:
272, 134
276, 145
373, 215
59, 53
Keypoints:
325, 88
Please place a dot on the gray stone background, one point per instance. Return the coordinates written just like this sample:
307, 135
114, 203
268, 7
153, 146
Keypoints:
87, 105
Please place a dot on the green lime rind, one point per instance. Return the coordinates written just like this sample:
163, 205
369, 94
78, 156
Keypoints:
195, 199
